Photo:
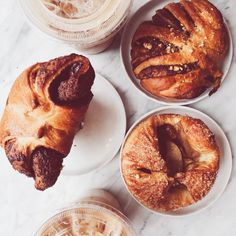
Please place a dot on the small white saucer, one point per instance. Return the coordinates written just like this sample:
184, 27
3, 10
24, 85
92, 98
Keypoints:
145, 13
102, 134
225, 168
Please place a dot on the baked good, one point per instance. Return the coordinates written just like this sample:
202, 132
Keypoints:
179, 53
170, 161
44, 110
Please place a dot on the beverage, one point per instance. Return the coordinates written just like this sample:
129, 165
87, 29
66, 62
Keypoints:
89, 25
94, 215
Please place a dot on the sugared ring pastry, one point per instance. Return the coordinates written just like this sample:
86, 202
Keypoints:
170, 161
44, 110
179, 53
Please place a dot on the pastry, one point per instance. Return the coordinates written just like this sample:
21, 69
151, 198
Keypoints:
179, 53
44, 110
170, 161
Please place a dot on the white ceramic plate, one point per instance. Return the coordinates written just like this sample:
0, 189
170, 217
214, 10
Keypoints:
103, 132
145, 13
225, 161
104, 129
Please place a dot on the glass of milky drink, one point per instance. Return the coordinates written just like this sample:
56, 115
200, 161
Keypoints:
88, 25
95, 214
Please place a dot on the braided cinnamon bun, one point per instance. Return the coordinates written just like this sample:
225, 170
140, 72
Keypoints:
179, 53
170, 161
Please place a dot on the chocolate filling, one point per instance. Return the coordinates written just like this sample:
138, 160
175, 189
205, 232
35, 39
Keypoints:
47, 165
18, 160
149, 39
155, 45
167, 70
44, 163
71, 88
187, 16
149, 47
165, 18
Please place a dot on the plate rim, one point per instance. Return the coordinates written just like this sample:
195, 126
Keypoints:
148, 94
222, 134
116, 150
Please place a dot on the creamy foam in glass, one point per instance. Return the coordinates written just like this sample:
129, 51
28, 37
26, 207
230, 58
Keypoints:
93, 215
89, 25
73, 9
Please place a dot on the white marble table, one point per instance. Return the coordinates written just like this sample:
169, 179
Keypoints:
22, 208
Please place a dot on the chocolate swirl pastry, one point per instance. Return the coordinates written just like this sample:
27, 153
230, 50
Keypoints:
44, 110
179, 53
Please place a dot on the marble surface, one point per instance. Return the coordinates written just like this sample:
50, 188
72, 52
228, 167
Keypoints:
23, 208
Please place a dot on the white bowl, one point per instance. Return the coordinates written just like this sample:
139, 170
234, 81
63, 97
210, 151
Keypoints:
225, 168
102, 134
145, 13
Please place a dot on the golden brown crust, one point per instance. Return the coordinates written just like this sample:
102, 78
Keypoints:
178, 53
43, 113
147, 170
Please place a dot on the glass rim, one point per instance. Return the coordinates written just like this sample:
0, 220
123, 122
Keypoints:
73, 32
93, 205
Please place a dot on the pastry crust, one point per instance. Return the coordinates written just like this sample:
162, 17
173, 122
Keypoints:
160, 183
178, 54
44, 110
